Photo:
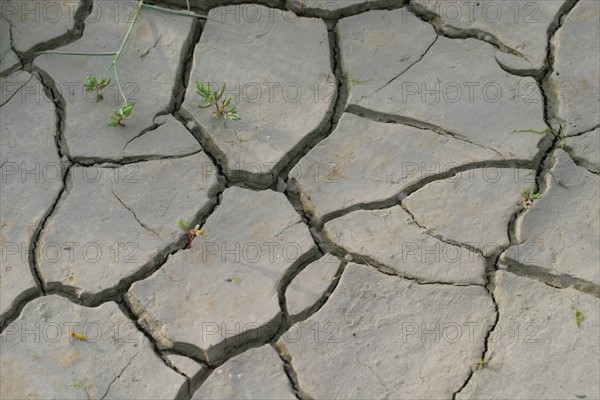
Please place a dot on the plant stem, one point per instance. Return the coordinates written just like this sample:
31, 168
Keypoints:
75, 53
178, 12
121, 48
119, 84
126, 39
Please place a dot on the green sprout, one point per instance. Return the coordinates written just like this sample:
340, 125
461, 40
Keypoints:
93, 84
529, 197
481, 363
563, 139
184, 225
98, 84
578, 317
119, 115
212, 99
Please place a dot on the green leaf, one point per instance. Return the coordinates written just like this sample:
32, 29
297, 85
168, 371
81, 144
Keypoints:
531, 131
182, 225
232, 116
201, 90
218, 96
121, 114
578, 317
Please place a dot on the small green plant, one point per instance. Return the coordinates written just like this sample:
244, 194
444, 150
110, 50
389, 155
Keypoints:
184, 225
237, 280
528, 198
578, 317
563, 139
357, 81
78, 336
212, 99
95, 84
119, 115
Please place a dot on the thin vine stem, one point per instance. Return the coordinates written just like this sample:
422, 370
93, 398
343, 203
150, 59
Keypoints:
75, 53
178, 12
119, 84
113, 65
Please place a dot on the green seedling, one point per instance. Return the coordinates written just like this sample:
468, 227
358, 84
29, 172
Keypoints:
528, 198
210, 99
578, 317
563, 139
357, 81
237, 280
119, 115
184, 225
95, 84
78, 336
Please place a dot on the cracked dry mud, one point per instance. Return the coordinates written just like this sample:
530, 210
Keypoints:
364, 237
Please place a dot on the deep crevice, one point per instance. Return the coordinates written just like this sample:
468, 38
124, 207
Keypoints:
33, 262
286, 358
117, 163
450, 32
337, 13
52, 92
584, 132
292, 320
542, 275
202, 7
208, 148
287, 279
396, 119
550, 142
365, 260
17, 306
73, 34
53, 95
336, 111
19, 64
193, 382
183, 392
395, 199
551, 103
485, 357
185, 69
428, 232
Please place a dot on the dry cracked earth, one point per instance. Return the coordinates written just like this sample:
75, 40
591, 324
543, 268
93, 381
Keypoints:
366, 235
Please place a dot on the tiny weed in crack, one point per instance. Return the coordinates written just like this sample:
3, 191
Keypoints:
529, 196
184, 225
212, 99
563, 139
